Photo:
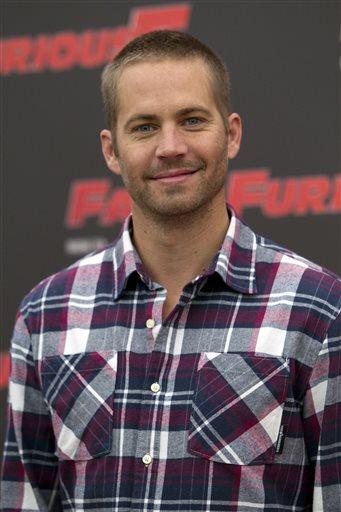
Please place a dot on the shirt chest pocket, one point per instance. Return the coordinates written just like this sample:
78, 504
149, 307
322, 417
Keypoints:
237, 407
79, 390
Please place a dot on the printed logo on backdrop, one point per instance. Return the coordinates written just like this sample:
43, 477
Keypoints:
99, 203
63, 51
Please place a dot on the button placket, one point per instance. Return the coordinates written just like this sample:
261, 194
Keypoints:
153, 326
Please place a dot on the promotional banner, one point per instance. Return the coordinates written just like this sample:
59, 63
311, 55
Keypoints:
59, 200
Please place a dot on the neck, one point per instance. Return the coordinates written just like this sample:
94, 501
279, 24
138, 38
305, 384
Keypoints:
175, 250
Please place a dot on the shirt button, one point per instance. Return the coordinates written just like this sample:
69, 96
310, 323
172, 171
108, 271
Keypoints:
155, 387
150, 323
146, 459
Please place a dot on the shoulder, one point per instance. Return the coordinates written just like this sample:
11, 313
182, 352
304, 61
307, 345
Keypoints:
281, 270
78, 279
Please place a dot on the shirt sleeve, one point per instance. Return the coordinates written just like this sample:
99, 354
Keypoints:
322, 419
30, 466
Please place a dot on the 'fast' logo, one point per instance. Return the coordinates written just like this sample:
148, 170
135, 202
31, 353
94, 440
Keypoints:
249, 188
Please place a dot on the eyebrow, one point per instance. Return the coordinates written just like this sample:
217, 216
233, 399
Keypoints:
178, 113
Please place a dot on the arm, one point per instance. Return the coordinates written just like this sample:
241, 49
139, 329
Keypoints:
30, 467
322, 419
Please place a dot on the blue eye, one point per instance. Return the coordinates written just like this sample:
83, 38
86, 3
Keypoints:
192, 121
144, 128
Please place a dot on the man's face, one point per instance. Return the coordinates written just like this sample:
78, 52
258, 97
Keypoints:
171, 142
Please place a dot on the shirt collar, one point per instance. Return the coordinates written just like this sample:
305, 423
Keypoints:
235, 261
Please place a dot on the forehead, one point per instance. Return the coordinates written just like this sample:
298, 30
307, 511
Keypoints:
164, 84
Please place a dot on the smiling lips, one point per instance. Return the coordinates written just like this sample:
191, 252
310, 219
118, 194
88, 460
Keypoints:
175, 176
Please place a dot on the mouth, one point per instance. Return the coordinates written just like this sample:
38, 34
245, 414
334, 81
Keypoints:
175, 176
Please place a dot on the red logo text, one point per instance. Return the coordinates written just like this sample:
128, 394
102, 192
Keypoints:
249, 188
65, 50
4, 369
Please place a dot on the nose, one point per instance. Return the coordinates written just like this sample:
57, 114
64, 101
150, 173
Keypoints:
171, 143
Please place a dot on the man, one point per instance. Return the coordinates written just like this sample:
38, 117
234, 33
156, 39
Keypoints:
191, 365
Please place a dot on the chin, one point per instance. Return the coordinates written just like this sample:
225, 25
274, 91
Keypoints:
173, 209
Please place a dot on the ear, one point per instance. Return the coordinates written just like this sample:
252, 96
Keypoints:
108, 151
235, 135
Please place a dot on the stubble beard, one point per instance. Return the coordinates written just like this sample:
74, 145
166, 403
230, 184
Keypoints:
174, 204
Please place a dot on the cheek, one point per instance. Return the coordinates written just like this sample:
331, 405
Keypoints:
135, 157
132, 167
215, 150
211, 143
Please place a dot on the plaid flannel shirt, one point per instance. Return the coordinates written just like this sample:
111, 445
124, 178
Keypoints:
232, 403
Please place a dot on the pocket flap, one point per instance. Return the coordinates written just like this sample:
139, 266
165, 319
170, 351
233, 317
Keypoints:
79, 390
